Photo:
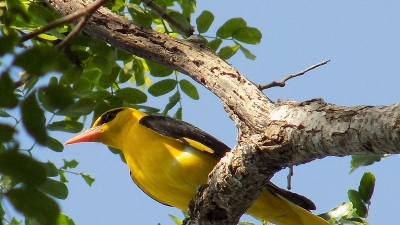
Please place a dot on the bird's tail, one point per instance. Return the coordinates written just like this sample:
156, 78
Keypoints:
282, 207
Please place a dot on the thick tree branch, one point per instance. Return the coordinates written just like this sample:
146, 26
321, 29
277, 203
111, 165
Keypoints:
271, 136
315, 129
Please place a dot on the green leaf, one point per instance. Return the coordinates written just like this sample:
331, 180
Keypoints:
358, 204
230, 26
98, 95
139, 15
341, 211
364, 160
366, 188
214, 44
249, 35
123, 76
228, 51
88, 178
50, 168
3, 113
176, 220
22, 168
131, 95
63, 178
55, 188
247, 53
102, 63
173, 100
82, 107
7, 43
106, 80
245, 223
40, 60
188, 7
66, 126
64, 220
70, 164
181, 19
2, 212
117, 151
91, 74
54, 144
7, 98
57, 96
6, 182
189, 89
157, 70
16, 8
30, 84
138, 69
33, 119
162, 87
40, 15
204, 21
178, 114
33, 203
123, 56
6, 133
82, 85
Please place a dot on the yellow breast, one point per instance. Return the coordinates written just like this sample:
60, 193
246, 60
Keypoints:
166, 169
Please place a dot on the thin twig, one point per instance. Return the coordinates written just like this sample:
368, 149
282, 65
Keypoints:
85, 12
185, 31
282, 83
66, 19
88, 13
289, 177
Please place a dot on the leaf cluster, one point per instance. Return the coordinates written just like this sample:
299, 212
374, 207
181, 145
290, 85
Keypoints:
45, 90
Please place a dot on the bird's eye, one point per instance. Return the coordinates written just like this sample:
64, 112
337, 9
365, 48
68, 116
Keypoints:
109, 116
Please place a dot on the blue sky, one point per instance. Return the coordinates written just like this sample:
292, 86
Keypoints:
361, 38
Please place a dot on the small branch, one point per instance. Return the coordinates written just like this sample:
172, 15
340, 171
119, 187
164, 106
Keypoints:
86, 12
289, 178
282, 83
185, 31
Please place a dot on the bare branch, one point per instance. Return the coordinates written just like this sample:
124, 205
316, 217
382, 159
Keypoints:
87, 12
185, 31
282, 83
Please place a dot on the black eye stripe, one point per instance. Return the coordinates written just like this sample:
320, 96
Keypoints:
109, 116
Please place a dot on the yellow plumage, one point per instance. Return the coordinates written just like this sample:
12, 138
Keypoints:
169, 166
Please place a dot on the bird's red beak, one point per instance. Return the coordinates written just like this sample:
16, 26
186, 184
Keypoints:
87, 136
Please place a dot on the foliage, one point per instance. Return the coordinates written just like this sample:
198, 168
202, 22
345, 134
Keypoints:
355, 211
45, 90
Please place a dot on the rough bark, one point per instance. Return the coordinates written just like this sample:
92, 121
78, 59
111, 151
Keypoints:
271, 135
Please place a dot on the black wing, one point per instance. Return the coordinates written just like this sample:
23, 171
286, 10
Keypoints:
295, 198
184, 132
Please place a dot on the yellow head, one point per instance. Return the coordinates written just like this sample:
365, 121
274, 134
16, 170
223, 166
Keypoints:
110, 128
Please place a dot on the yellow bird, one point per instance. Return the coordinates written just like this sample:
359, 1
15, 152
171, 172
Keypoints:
169, 159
